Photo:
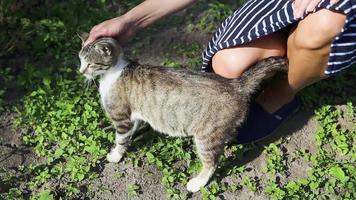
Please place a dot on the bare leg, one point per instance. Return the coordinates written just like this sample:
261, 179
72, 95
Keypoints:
308, 53
232, 62
308, 48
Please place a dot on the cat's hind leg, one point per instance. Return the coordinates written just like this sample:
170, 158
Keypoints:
209, 148
124, 131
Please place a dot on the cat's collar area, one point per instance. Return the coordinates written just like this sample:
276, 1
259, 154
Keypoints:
122, 62
120, 65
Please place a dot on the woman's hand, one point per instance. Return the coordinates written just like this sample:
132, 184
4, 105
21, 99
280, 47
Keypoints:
137, 18
302, 6
120, 28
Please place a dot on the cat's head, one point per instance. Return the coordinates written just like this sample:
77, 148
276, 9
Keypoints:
96, 58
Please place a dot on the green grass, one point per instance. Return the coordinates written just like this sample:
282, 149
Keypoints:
132, 189
333, 165
64, 123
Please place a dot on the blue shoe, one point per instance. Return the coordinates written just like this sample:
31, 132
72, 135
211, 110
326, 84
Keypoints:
260, 123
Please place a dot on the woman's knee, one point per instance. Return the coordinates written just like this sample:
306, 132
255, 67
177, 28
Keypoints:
232, 62
318, 30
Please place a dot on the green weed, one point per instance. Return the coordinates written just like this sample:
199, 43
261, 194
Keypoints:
274, 159
215, 15
331, 176
132, 189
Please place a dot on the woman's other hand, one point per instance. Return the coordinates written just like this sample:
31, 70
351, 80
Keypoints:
305, 6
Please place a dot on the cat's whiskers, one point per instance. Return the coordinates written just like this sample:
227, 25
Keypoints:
87, 83
97, 87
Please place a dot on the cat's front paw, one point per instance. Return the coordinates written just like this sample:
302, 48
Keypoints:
195, 184
114, 157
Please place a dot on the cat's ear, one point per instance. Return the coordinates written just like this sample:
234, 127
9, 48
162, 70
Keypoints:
83, 36
103, 49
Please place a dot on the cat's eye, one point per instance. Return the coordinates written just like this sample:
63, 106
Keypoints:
101, 65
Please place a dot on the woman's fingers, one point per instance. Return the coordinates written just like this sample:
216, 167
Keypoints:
312, 5
93, 35
300, 6
105, 29
116, 27
296, 5
303, 6
334, 1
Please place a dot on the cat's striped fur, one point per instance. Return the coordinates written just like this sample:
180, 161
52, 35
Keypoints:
174, 102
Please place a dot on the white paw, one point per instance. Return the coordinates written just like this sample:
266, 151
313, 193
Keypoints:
195, 184
114, 157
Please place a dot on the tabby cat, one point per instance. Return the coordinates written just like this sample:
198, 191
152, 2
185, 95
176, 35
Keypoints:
179, 103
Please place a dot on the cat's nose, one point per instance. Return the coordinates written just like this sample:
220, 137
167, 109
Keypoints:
83, 69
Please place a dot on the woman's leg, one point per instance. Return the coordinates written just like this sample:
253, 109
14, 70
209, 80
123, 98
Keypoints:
308, 48
308, 53
232, 62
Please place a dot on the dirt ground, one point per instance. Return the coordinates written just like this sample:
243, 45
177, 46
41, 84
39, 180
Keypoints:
299, 132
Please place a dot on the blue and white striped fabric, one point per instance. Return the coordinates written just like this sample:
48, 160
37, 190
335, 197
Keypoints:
258, 18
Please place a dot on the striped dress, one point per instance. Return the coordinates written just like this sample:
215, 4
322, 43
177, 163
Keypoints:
257, 18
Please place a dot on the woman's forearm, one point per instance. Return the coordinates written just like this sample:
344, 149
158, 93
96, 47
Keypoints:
146, 13
150, 11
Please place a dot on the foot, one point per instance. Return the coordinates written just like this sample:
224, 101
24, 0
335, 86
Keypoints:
260, 123
195, 184
114, 156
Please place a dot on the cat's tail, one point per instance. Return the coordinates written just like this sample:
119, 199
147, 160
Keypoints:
250, 80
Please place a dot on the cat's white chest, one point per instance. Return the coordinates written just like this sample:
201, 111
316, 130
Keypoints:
107, 82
